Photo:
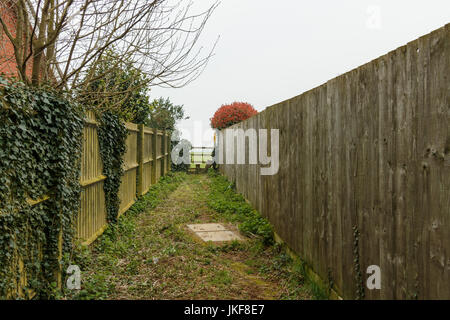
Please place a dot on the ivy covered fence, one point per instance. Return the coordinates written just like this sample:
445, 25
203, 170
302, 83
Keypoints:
64, 176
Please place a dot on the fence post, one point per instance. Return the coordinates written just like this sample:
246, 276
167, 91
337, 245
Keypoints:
169, 151
163, 153
154, 139
140, 154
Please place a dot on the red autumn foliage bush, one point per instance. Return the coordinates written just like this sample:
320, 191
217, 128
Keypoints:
229, 114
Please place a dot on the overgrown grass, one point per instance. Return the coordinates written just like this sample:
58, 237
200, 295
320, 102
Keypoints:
158, 192
224, 199
153, 256
99, 262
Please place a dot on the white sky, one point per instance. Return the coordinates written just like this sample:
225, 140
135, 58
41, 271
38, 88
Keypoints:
270, 51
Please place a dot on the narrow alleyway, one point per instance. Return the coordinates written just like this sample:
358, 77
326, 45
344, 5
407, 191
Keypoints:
154, 255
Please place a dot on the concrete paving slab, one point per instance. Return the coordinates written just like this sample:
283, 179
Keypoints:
215, 232
218, 236
202, 227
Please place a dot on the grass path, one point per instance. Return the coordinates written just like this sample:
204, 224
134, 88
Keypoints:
152, 255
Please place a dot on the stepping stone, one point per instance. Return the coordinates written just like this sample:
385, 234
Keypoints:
218, 236
214, 232
206, 227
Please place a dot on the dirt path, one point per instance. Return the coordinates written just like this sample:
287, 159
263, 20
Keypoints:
157, 257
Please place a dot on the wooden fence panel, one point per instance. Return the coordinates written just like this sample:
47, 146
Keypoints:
91, 219
168, 151
127, 191
159, 154
155, 155
367, 150
147, 160
165, 152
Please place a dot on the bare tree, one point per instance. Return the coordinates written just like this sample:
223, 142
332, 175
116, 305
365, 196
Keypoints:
61, 41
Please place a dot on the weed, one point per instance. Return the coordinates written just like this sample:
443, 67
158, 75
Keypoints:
221, 278
224, 199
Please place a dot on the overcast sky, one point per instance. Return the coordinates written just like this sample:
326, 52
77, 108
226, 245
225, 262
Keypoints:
270, 51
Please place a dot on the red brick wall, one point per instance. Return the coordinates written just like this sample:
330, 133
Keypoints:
8, 65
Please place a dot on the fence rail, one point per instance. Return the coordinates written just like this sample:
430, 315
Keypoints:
367, 149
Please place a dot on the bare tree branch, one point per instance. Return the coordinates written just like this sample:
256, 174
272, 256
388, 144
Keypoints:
61, 40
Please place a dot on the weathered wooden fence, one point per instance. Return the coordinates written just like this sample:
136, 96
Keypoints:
145, 161
369, 149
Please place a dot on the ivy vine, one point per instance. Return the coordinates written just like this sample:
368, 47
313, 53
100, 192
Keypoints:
360, 294
40, 148
112, 135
